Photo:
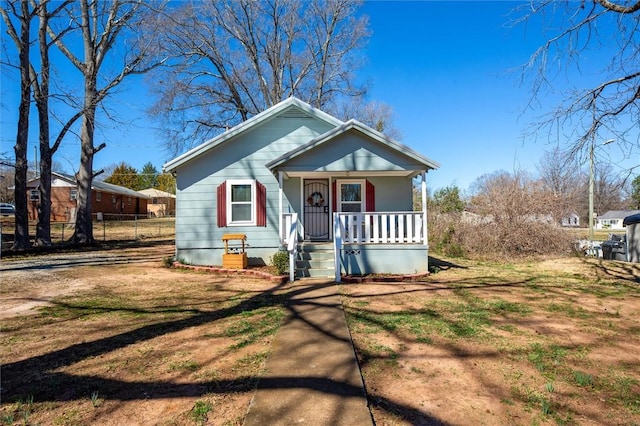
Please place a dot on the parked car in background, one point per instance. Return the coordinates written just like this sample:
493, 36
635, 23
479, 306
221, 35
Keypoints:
7, 209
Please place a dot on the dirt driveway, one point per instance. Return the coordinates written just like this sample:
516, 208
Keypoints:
39, 281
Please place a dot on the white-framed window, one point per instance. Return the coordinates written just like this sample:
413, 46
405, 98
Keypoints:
73, 194
113, 198
129, 200
34, 195
351, 196
98, 196
241, 202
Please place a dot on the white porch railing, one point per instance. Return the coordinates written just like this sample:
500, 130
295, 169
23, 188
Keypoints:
381, 227
375, 228
290, 240
358, 228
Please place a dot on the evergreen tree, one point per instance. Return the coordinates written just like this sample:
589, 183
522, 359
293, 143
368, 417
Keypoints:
166, 183
448, 200
126, 176
148, 176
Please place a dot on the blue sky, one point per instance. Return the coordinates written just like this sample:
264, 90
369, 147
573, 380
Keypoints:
446, 68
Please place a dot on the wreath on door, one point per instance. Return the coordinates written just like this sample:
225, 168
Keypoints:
316, 199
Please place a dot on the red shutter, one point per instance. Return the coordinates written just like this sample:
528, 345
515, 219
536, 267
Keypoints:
222, 205
334, 196
371, 198
261, 204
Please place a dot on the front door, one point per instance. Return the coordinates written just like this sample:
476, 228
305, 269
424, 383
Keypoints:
316, 209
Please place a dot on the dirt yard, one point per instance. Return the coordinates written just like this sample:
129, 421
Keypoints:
114, 337
549, 342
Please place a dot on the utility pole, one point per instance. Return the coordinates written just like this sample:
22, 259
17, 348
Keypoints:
591, 184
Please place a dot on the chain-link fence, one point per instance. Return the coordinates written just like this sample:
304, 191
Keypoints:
109, 228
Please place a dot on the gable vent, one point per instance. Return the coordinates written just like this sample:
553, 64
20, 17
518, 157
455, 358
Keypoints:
294, 113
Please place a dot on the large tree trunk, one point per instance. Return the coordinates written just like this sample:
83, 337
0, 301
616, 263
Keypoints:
84, 177
43, 228
41, 95
21, 236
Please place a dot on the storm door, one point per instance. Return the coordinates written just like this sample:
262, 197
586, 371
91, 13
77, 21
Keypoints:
316, 209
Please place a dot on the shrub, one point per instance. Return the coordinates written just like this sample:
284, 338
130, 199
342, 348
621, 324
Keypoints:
453, 236
280, 261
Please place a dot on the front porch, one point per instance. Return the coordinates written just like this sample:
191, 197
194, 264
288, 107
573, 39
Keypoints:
354, 187
362, 243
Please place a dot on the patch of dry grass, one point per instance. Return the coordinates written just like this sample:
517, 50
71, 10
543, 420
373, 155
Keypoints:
548, 342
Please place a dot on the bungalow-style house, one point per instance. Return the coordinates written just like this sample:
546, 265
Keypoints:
337, 195
160, 203
107, 199
612, 220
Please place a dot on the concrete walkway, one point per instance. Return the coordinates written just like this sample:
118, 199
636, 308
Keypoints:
312, 375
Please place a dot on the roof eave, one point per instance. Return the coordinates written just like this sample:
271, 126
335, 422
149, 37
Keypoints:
345, 127
245, 125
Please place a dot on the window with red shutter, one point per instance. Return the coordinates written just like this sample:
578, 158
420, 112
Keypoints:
371, 197
241, 202
353, 195
261, 204
222, 205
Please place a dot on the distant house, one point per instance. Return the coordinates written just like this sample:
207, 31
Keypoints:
612, 220
106, 199
160, 203
571, 221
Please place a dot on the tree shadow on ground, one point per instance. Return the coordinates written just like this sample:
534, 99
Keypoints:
443, 264
41, 378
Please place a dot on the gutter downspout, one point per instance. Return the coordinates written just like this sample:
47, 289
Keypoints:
280, 195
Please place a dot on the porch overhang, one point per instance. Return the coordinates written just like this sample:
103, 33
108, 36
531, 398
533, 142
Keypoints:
347, 173
354, 149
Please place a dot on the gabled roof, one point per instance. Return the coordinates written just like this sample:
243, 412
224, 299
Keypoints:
99, 186
154, 192
346, 127
290, 103
618, 214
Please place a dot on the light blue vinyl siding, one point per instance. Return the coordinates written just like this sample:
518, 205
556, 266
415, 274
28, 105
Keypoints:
393, 193
352, 151
360, 259
198, 238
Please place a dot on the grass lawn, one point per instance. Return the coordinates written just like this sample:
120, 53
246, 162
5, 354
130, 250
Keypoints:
551, 342
132, 342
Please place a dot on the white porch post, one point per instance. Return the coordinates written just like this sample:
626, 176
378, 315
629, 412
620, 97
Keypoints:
280, 194
424, 208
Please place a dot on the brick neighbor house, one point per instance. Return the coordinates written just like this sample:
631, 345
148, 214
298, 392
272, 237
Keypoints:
107, 200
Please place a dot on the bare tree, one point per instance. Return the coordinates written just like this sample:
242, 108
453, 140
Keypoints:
607, 100
235, 58
40, 81
608, 187
22, 39
377, 115
560, 174
102, 25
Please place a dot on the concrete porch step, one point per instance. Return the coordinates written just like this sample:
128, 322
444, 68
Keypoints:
315, 260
